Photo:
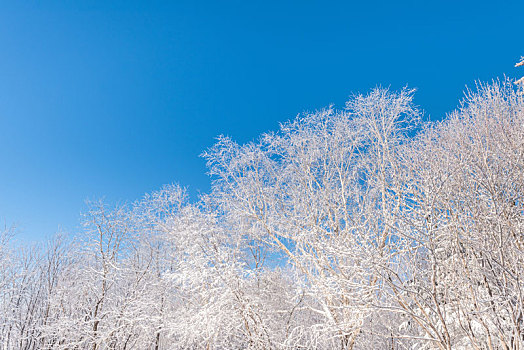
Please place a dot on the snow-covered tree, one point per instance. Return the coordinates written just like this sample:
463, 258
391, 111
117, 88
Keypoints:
318, 193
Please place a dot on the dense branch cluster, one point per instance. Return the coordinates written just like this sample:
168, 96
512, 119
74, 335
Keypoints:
359, 228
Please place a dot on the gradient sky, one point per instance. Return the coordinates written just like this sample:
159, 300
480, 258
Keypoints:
113, 99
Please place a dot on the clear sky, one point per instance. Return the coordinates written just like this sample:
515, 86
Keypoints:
113, 99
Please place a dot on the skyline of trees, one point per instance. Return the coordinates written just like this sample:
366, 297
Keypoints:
353, 228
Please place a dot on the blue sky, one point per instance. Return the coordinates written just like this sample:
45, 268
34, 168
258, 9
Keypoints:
114, 99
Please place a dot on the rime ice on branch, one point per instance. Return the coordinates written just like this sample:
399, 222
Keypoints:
521, 63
